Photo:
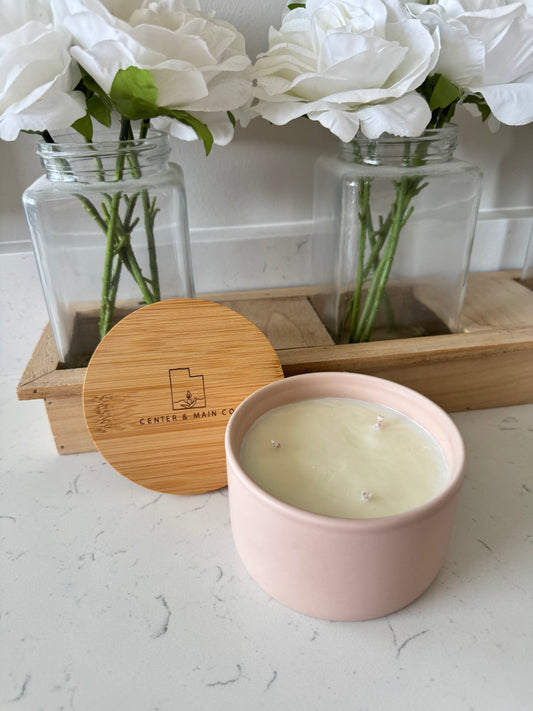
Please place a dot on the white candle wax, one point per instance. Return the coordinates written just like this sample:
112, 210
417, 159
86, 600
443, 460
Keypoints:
343, 457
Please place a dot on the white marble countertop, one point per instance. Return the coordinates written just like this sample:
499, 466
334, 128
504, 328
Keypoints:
116, 597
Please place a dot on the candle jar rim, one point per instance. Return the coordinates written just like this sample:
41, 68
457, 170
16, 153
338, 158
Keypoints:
297, 382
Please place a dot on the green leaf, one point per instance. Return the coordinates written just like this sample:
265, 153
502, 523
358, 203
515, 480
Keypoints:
201, 130
294, 5
90, 83
439, 92
134, 94
231, 118
444, 94
99, 109
481, 104
90, 87
84, 125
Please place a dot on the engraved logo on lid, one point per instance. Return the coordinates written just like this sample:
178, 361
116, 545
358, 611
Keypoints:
187, 391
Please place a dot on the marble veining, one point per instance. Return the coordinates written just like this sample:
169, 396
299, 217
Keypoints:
116, 597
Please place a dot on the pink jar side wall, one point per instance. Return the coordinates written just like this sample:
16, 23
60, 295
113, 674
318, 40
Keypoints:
334, 574
341, 569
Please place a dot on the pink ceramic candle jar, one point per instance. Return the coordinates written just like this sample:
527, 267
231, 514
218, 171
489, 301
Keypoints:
340, 568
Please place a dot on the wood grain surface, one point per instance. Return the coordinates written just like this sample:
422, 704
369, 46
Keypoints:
488, 364
161, 386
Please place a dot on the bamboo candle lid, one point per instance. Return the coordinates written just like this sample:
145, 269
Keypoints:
161, 386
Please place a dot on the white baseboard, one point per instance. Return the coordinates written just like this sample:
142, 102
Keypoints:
229, 258
276, 255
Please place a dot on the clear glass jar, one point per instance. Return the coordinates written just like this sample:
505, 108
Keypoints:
394, 225
109, 228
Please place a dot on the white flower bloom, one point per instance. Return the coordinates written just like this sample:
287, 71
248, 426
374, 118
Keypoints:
487, 48
198, 63
349, 64
16, 13
37, 74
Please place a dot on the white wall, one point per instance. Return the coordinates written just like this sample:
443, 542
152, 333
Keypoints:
264, 176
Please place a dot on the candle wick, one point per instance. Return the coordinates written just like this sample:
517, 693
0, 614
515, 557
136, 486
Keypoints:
274, 443
379, 420
366, 495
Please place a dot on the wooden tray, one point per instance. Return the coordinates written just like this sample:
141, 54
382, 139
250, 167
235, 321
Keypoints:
488, 364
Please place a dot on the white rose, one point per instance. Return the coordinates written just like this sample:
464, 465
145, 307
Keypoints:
487, 48
349, 64
16, 13
198, 63
37, 74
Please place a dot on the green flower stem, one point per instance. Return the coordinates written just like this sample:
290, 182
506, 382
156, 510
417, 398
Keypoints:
110, 287
118, 231
113, 288
126, 251
107, 302
118, 228
365, 221
93, 212
123, 248
120, 244
377, 247
150, 211
145, 125
112, 265
132, 265
401, 213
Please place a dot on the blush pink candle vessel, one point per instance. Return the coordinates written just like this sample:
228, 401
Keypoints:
341, 568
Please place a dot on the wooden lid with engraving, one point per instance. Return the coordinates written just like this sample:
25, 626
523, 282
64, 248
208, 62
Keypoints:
162, 385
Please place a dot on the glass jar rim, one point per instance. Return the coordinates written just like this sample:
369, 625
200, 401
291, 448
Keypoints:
432, 145
73, 144
96, 161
